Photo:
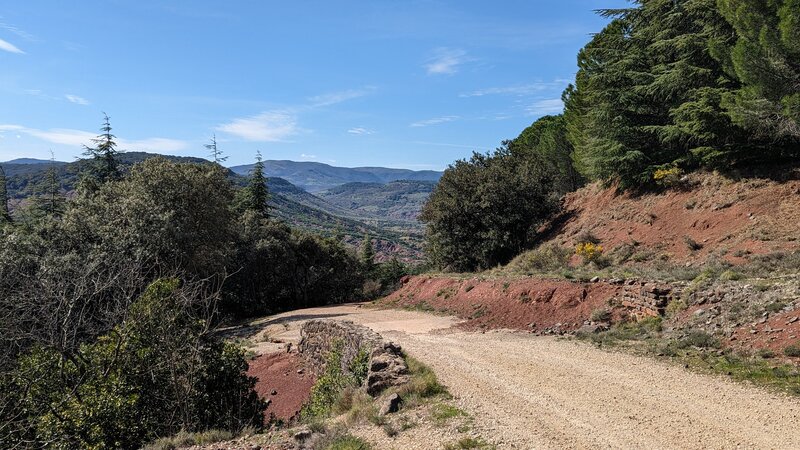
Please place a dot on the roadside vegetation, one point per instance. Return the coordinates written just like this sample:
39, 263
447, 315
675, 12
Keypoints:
340, 413
110, 300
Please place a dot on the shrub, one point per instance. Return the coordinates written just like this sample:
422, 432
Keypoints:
766, 353
157, 373
699, 339
692, 244
423, 383
792, 351
587, 237
546, 258
589, 252
730, 275
332, 387
601, 315
667, 177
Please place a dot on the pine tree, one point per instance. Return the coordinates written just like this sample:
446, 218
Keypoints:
50, 201
650, 94
104, 154
214, 152
257, 195
368, 253
5, 215
766, 58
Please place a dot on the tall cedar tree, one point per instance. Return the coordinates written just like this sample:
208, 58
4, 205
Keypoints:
214, 152
5, 215
650, 94
257, 192
368, 253
104, 154
766, 58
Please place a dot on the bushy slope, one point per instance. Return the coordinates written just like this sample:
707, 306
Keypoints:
708, 216
400, 200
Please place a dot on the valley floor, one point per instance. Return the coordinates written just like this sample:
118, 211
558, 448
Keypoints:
527, 391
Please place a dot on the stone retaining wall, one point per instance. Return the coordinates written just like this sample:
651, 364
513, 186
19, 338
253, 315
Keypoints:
386, 364
646, 299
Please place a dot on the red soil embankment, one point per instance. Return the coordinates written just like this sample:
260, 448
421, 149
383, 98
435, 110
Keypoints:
284, 374
775, 334
532, 304
727, 218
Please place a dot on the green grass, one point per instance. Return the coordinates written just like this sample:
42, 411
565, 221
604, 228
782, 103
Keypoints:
423, 383
442, 412
468, 443
348, 442
184, 439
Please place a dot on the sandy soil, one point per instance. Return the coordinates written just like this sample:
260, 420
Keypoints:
529, 391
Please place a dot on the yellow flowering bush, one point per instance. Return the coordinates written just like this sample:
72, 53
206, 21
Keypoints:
589, 251
667, 177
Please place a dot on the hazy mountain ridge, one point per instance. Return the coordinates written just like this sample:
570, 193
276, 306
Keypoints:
393, 234
316, 177
398, 200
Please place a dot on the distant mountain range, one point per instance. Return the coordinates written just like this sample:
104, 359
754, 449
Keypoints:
30, 161
318, 177
385, 209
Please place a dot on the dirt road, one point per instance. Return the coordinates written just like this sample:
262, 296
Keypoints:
541, 392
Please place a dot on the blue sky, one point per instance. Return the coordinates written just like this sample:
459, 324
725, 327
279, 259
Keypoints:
415, 84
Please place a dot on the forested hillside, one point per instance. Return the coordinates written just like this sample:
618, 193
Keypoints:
395, 236
666, 88
109, 298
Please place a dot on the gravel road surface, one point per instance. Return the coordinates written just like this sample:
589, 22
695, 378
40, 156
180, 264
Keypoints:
528, 392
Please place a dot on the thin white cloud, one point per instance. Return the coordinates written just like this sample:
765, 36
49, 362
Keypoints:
304, 156
21, 33
279, 125
269, 126
333, 98
548, 106
77, 138
519, 90
76, 99
9, 47
446, 61
434, 121
360, 130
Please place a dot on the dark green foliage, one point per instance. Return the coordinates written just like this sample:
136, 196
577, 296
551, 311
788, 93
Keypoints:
49, 200
90, 357
5, 215
654, 89
547, 138
766, 58
486, 210
168, 216
156, 373
105, 165
277, 268
367, 255
256, 194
